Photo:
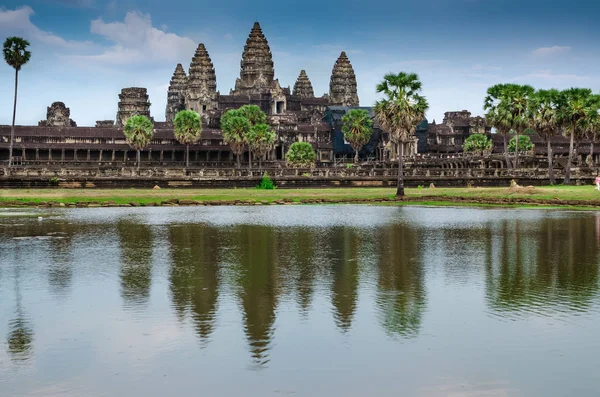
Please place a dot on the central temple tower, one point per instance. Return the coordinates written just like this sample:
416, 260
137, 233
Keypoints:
257, 72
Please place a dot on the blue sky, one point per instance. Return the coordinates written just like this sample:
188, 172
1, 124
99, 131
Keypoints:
85, 51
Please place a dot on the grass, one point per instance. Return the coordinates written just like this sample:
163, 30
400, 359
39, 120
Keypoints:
584, 195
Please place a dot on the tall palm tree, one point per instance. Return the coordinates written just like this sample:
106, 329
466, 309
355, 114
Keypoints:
576, 106
544, 120
261, 139
138, 132
16, 55
517, 102
188, 129
235, 129
400, 112
592, 130
497, 115
357, 127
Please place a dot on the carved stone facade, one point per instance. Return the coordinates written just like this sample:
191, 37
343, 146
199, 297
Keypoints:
450, 135
105, 124
133, 101
58, 115
257, 72
303, 87
342, 87
201, 89
176, 93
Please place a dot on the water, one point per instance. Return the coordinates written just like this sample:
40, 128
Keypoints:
302, 301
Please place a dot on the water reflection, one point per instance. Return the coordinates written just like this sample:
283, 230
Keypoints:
401, 297
194, 275
136, 244
541, 268
394, 275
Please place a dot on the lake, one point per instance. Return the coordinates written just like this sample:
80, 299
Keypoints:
338, 300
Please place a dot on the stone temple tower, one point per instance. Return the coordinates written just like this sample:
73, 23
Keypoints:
133, 101
342, 86
257, 71
303, 87
201, 89
176, 93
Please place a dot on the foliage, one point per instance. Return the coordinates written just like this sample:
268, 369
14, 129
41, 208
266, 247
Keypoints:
260, 139
400, 111
54, 181
188, 127
543, 112
477, 143
349, 166
524, 144
15, 52
253, 113
301, 154
266, 183
138, 131
357, 127
235, 129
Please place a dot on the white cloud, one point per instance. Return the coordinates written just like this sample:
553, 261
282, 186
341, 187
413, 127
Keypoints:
18, 22
135, 40
547, 74
486, 68
550, 51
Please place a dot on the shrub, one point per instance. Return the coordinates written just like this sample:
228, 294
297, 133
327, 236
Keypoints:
477, 143
53, 181
301, 154
524, 144
266, 183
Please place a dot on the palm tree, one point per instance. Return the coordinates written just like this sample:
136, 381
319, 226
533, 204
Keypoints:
16, 55
544, 120
138, 131
576, 106
591, 132
255, 116
260, 140
357, 128
497, 115
235, 129
400, 112
517, 102
188, 129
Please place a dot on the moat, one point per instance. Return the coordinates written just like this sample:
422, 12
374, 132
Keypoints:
299, 300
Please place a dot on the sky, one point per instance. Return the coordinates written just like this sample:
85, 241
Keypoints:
85, 51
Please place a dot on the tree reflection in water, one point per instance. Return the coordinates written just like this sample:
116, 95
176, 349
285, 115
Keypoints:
136, 243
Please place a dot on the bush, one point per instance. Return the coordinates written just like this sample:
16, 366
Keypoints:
524, 144
266, 183
477, 143
301, 154
53, 181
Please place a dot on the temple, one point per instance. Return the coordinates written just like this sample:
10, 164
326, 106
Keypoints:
294, 114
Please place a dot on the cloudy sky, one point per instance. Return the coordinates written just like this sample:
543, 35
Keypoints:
85, 51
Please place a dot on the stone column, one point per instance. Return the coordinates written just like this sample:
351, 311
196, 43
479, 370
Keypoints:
74, 154
113, 156
37, 154
88, 155
161, 155
100, 156
124, 155
62, 155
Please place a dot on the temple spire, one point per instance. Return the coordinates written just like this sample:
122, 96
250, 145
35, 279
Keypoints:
342, 86
201, 87
175, 94
303, 87
256, 68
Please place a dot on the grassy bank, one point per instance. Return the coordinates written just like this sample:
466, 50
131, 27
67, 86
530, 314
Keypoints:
556, 196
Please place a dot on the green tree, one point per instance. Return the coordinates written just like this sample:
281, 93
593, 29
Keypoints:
261, 139
138, 131
592, 129
517, 101
544, 119
575, 107
477, 143
235, 129
15, 55
524, 143
300, 154
400, 112
497, 115
188, 129
357, 127
254, 114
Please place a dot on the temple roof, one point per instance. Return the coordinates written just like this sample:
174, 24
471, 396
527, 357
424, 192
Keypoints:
202, 71
303, 87
179, 78
342, 86
256, 68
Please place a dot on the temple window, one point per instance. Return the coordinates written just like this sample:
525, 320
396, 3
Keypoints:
280, 107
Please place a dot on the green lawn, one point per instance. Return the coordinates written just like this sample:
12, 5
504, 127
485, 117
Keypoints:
584, 194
